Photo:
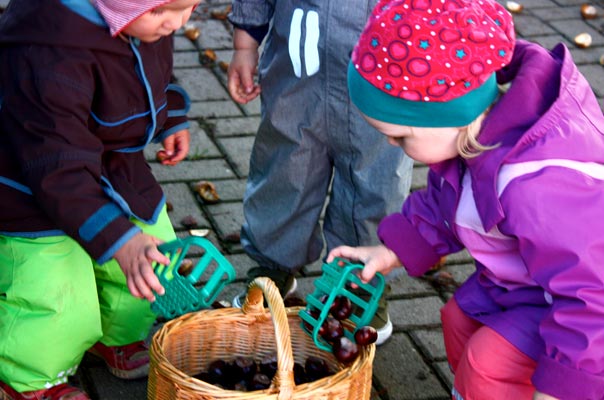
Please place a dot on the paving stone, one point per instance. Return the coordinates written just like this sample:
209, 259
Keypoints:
550, 41
201, 84
416, 312
458, 258
230, 189
532, 4
193, 170
400, 369
596, 72
242, 263
184, 204
253, 107
419, 178
528, 26
591, 55
461, 272
573, 27
186, 59
431, 343
556, 13
235, 126
214, 109
238, 149
227, 217
103, 385
444, 372
403, 285
182, 43
213, 34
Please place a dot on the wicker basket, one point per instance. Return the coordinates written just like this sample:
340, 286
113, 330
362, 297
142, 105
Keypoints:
185, 346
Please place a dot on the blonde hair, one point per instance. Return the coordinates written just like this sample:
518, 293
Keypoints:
468, 145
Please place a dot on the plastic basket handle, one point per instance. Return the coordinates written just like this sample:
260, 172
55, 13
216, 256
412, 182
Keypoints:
254, 304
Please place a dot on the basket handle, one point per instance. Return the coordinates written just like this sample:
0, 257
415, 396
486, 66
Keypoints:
254, 304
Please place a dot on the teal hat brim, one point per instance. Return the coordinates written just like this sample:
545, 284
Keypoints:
381, 106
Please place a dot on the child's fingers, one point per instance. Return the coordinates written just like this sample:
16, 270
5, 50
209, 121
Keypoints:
347, 252
368, 272
143, 288
234, 87
151, 281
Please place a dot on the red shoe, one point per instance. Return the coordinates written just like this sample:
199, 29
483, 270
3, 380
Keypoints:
127, 362
59, 392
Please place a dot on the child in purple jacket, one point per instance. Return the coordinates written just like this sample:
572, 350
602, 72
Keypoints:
516, 178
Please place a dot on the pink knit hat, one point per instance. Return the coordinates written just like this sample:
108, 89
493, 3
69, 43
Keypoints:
430, 62
118, 14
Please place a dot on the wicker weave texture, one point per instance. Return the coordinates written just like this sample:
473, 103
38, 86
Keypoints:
185, 347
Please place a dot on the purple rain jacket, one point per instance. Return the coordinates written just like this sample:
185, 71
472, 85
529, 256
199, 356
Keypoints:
77, 107
531, 213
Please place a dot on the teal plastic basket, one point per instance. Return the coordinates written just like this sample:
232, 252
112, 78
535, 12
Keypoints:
182, 296
336, 280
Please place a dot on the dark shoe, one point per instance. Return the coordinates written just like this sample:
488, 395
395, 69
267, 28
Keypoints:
59, 392
285, 282
126, 362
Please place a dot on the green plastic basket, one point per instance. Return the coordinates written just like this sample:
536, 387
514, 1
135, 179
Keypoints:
182, 296
336, 280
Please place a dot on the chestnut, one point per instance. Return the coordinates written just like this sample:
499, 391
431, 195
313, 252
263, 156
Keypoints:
365, 335
243, 368
315, 314
268, 366
218, 371
333, 329
316, 368
259, 382
300, 376
342, 309
323, 299
345, 350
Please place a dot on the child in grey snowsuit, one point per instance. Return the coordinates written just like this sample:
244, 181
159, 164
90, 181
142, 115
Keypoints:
310, 136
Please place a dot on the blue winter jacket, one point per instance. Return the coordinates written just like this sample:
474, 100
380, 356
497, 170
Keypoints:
77, 107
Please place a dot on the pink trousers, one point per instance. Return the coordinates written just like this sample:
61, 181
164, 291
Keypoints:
486, 366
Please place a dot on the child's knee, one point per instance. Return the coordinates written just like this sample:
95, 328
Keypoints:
491, 366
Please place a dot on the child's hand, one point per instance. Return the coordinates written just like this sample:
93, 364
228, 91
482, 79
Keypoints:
376, 259
241, 72
543, 396
176, 147
243, 68
135, 258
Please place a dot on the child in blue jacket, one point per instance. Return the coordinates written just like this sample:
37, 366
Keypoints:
84, 86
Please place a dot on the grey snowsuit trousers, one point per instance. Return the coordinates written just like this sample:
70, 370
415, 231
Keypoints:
311, 138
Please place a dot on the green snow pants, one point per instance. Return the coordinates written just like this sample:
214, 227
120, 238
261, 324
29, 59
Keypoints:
56, 303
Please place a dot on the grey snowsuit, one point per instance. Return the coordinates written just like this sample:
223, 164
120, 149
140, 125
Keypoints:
311, 134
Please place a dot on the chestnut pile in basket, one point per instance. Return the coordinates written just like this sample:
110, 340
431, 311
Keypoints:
245, 374
332, 330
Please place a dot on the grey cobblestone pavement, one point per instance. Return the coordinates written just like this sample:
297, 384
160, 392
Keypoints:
412, 364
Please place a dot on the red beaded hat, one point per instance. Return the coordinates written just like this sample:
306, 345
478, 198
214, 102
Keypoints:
430, 62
